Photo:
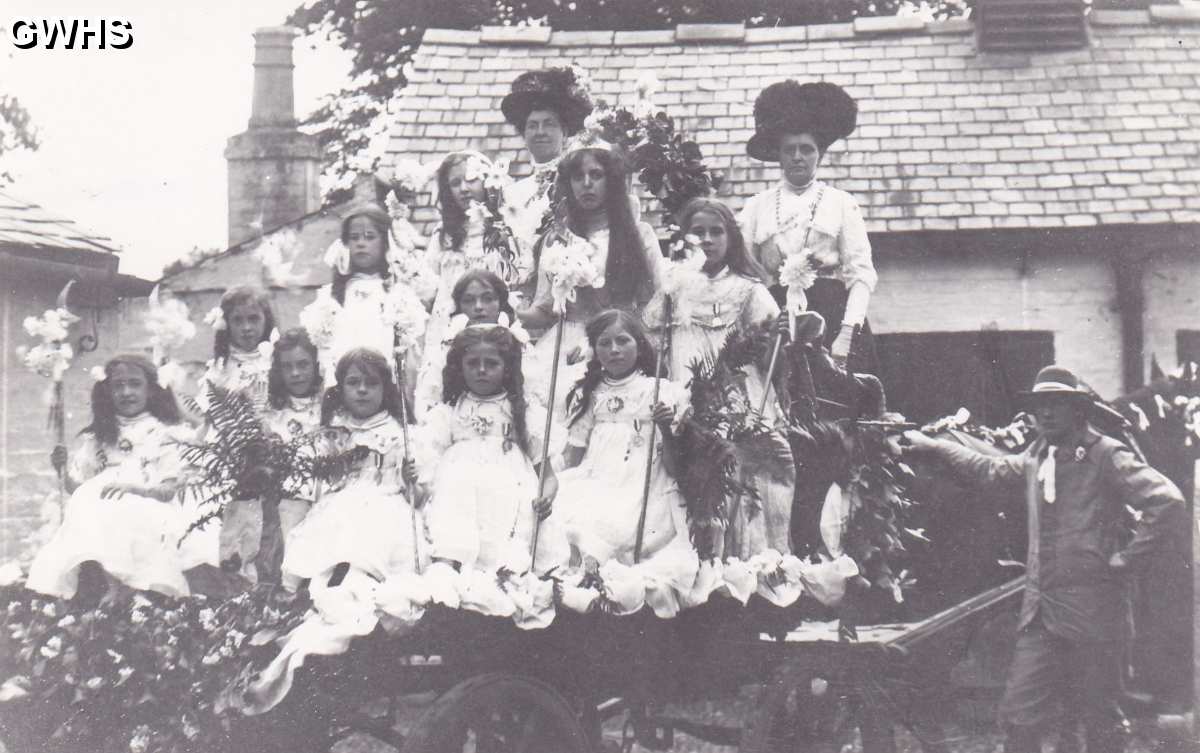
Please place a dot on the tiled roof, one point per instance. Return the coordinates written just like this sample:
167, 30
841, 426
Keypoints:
24, 224
948, 138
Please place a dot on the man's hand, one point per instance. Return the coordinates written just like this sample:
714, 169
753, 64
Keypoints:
917, 441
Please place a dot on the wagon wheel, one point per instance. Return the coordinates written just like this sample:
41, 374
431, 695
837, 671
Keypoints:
802, 715
498, 713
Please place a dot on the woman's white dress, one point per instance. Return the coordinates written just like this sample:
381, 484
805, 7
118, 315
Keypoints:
601, 498
366, 522
482, 486
139, 541
706, 310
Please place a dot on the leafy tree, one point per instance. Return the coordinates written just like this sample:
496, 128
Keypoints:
384, 35
16, 130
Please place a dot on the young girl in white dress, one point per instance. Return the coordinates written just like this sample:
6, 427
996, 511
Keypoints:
241, 346
601, 489
480, 297
293, 413
466, 237
365, 304
728, 294
124, 514
481, 450
365, 526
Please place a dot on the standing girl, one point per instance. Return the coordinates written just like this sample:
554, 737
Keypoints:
601, 490
480, 298
481, 447
244, 322
365, 526
293, 412
468, 236
623, 252
725, 295
364, 306
124, 515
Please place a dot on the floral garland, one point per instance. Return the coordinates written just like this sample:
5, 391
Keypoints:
134, 674
51, 357
670, 165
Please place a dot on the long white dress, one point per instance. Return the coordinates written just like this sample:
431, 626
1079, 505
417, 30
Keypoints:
482, 486
367, 522
526, 206
601, 498
137, 540
706, 311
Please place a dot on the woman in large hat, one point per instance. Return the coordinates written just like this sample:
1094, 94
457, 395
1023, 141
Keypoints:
546, 107
817, 226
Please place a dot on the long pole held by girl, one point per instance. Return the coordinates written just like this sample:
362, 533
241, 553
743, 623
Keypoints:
409, 490
537, 526
663, 347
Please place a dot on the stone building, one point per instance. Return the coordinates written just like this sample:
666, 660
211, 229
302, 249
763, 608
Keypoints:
39, 254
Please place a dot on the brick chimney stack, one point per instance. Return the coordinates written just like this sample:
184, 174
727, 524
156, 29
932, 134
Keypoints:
273, 167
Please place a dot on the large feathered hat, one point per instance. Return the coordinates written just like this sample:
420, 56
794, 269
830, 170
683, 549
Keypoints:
821, 109
555, 89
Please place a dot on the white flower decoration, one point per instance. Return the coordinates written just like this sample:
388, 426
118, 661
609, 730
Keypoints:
797, 275
98, 374
215, 318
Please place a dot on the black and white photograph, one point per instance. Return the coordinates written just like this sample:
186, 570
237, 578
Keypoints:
599, 376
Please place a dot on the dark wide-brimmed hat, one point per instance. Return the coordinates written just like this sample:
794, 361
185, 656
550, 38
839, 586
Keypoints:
820, 108
554, 89
1058, 382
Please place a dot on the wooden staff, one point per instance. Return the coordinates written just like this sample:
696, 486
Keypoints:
762, 406
409, 488
658, 363
537, 525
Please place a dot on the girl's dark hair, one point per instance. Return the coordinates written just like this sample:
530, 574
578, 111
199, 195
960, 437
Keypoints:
160, 401
382, 222
627, 279
454, 217
368, 360
241, 296
492, 280
297, 337
454, 383
737, 258
579, 399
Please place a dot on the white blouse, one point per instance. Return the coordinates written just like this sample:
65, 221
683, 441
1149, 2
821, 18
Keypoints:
782, 221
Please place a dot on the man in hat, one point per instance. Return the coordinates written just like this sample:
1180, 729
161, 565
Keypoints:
1068, 661
546, 107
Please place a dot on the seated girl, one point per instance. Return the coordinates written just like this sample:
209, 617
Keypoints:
366, 525
481, 450
124, 518
601, 490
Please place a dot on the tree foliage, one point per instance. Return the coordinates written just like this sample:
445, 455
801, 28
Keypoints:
383, 36
16, 130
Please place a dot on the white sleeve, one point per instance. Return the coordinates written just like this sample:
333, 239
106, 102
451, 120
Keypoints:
855, 248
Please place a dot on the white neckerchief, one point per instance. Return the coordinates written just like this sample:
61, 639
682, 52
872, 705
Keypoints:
124, 422
1046, 473
242, 357
303, 403
343, 418
612, 382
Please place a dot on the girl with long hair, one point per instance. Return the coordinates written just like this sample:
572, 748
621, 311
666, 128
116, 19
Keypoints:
601, 487
624, 254
361, 531
244, 322
125, 520
480, 455
725, 295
